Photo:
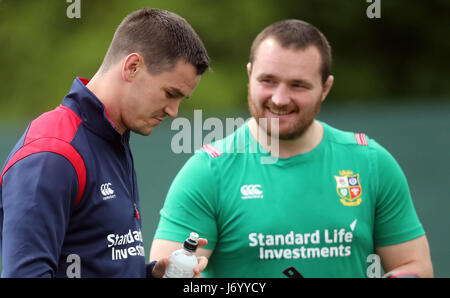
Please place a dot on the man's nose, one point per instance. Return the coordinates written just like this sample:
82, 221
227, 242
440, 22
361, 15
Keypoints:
172, 108
280, 96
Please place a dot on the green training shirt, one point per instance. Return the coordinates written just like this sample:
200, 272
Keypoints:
323, 212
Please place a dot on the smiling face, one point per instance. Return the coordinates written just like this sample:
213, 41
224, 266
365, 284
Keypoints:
149, 98
286, 84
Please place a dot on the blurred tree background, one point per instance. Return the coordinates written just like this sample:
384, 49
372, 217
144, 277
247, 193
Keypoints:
402, 56
391, 81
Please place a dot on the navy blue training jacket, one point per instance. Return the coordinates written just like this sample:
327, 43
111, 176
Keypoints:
69, 202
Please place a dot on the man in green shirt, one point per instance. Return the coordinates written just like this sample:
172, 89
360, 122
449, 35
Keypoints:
288, 190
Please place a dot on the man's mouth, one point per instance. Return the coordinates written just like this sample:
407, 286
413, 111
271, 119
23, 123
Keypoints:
159, 119
280, 112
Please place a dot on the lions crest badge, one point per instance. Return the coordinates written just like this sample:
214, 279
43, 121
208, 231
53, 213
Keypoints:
349, 188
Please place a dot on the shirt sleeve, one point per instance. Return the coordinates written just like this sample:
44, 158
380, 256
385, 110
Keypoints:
396, 220
37, 195
191, 203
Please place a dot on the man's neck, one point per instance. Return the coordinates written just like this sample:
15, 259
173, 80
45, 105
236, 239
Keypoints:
103, 86
309, 140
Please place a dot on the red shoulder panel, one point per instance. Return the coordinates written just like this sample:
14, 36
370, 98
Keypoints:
52, 132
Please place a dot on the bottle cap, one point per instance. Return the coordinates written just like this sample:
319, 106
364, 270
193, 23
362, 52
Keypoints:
191, 243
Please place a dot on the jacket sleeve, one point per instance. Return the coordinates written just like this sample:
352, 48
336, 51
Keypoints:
37, 196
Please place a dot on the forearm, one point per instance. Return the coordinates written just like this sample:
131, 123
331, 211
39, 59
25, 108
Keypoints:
422, 269
413, 255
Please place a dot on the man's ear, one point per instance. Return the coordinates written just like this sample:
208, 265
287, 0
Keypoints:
132, 64
249, 69
327, 87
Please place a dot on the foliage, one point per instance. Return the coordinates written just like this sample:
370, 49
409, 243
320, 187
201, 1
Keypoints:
403, 55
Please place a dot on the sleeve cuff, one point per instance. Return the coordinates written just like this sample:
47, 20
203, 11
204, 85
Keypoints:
149, 269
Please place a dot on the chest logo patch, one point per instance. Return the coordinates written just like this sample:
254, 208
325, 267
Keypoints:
348, 188
107, 191
251, 191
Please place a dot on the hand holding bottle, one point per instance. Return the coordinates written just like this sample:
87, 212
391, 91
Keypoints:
160, 268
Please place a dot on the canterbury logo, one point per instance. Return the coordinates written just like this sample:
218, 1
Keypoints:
251, 191
107, 191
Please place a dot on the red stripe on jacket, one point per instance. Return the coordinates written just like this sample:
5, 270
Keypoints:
53, 132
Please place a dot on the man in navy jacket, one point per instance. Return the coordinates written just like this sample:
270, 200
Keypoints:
69, 202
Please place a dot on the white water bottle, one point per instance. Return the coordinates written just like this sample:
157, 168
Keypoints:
183, 261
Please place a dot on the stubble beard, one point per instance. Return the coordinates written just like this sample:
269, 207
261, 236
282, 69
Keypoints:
295, 130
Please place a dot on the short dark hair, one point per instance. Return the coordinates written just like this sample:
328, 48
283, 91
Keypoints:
298, 35
161, 37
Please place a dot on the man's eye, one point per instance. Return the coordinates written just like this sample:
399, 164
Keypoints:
300, 86
267, 81
169, 95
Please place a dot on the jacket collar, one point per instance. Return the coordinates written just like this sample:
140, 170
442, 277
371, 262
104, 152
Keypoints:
92, 111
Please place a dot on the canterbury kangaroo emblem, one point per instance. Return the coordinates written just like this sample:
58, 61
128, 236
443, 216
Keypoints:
107, 191
251, 191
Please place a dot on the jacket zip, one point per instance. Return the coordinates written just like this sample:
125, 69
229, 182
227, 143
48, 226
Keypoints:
136, 212
130, 168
